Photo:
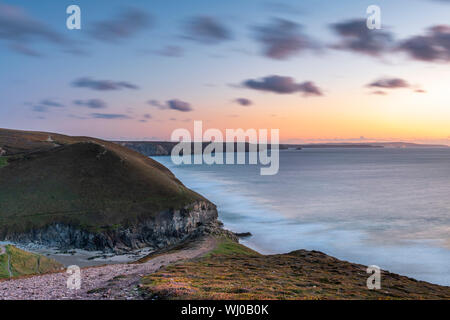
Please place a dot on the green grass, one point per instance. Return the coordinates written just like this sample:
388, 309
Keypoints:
25, 263
4, 266
229, 247
3, 161
88, 183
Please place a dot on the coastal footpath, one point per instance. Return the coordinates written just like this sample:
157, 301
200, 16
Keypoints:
216, 266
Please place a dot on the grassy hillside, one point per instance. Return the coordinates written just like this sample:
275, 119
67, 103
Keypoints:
233, 271
15, 262
91, 183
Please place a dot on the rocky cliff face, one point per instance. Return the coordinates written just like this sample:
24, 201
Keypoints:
167, 228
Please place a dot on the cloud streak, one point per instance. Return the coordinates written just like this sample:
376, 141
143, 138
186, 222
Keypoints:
45, 105
174, 104
207, 30
92, 103
51, 103
434, 46
389, 83
22, 30
102, 85
356, 37
110, 116
283, 85
282, 39
129, 22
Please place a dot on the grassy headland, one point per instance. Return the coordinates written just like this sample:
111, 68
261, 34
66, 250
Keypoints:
233, 271
93, 184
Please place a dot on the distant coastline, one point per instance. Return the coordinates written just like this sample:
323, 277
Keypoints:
164, 148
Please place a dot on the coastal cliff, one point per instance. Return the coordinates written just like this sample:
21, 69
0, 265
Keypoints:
86, 193
167, 228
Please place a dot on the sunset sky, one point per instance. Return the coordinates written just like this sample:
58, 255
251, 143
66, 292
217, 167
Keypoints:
140, 69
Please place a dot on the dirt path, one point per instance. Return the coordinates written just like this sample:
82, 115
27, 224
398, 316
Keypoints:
117, 281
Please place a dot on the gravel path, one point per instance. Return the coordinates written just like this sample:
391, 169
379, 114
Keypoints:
118, 281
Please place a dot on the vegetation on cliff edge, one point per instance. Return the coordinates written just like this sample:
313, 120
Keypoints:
233, 271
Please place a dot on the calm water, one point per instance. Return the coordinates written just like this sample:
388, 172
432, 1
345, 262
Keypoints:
387, 207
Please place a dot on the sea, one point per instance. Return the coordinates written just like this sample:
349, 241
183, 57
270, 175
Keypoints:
388, 207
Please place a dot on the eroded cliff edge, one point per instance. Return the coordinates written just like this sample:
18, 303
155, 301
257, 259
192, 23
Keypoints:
167, 228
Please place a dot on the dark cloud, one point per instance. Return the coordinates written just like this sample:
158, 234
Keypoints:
243, 102
51, 103
102, 85
282, 39
171, 51
356, 37
207, 30
128, 23
283, 85
110, 116
389, 83
434, 46
18, 28
173, 104
92, 103
179, 105
147, 116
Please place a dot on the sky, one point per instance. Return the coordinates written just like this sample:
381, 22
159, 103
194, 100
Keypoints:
137, 70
